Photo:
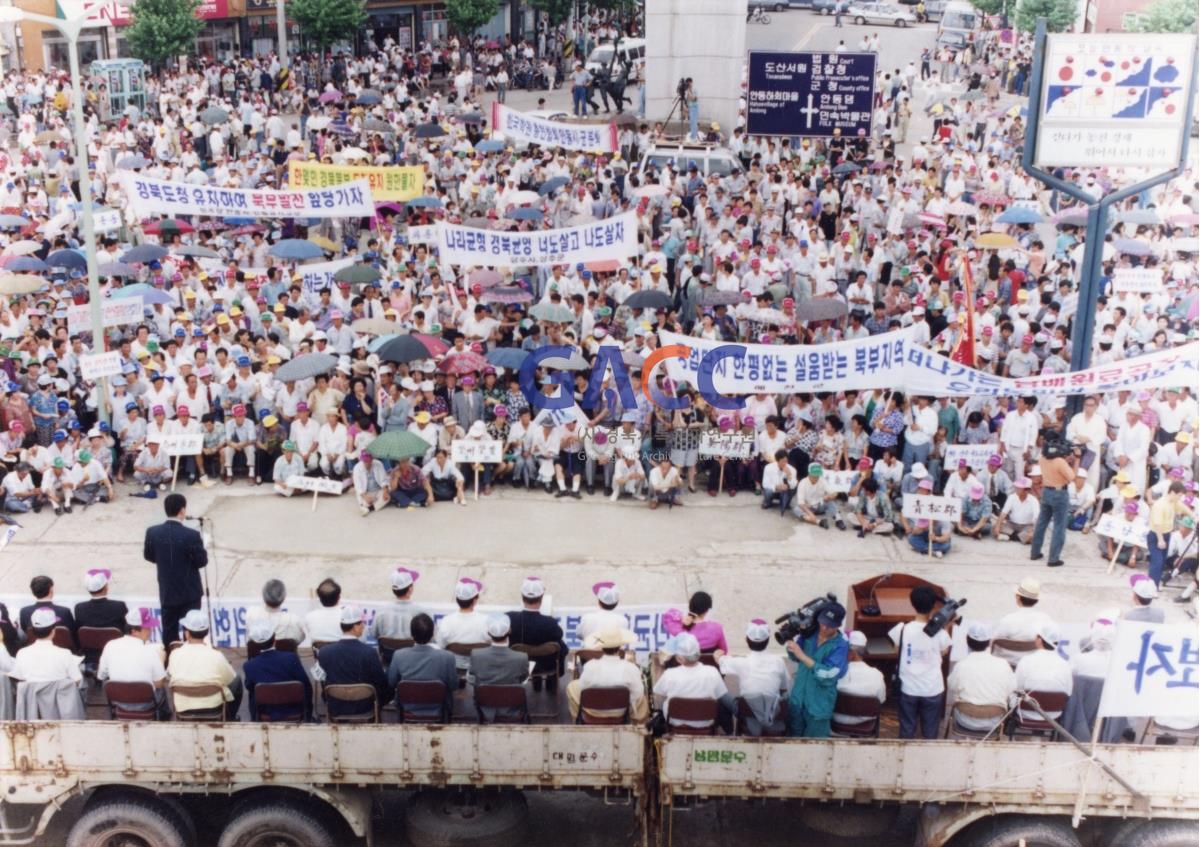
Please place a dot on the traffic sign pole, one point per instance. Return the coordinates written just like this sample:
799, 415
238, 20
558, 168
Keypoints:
1084, 321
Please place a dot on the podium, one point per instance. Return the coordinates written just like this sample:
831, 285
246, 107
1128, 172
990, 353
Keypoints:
889, 593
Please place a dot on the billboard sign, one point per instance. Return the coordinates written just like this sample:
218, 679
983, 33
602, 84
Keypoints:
810, 94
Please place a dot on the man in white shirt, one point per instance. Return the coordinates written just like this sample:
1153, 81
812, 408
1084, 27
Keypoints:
628, 475
287, 627
1044, 671
665, 484
305, 433
1022, 624
921, 683
1019, 514
132, 658
779, 482
324, 624
370, 484
815, 503
606, 616
981, 679
1018, 435
861, 680
42, 660
693, 680
611, 671
466, 626
762, 680
918, 435
959, 484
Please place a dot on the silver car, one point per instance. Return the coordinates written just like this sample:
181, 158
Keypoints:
880, 13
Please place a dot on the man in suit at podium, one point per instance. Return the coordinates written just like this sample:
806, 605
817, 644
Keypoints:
178, 553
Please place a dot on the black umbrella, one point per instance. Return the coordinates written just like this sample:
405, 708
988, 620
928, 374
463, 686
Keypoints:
824, 309
66, 259
648, 300
429, 131
214, 115
551, 185
306, 367
368, 97
403, 349
142, 254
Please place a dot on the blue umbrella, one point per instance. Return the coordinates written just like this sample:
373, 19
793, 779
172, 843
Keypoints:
368, 97
489, 145
69, 259
148, 293
297, 249
509, 358
143, 254
1020, 215
117, 269
425, 203
132, 162
524, 214
1133, 247
552, 185
376, 343
26, 264
13, 222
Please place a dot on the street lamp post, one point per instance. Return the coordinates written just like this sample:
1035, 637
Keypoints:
70, 28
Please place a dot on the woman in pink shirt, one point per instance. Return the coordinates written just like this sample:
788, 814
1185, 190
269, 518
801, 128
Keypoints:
710, 634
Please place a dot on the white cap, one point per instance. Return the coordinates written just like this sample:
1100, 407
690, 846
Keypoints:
1145, 588
478, 429
408, 384
261, 631
607, 593
858, 639
134, 618
350, 615
686, 646
43, 617
918, 471
427, 385
195, 621
1029, 588
758, 630
1048, 632
95, 580
402, 578
978, 631
532, 588
498, 626
467, 589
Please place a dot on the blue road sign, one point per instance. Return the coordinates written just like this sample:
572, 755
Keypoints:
811, 94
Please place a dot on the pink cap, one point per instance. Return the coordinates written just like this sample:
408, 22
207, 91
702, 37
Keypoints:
182, 410
976, 491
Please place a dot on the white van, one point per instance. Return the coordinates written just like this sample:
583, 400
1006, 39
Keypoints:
708, 158
629, 50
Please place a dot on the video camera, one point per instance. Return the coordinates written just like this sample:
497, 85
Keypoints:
803, 621
681, 88
943, 616
1055, 446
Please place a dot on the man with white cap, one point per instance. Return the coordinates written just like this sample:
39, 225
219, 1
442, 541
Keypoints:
465, 626
981, 679
498, 664
240, 436
271, 666
42, 660
99, 610
533, 629
196, 663
629, 477
693, 680
611, 671
395, 620
333, 442
1144, 593
1023, 623
1044, 670
1095, 650
861, 680
350, 661
762, 680
134, 658
606, 617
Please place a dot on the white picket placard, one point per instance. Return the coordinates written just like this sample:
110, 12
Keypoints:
475, 451
731, 445
316, 484
1123, 531
932, 507
95, 366
183, 444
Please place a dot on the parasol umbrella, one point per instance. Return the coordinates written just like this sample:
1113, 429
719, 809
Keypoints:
509, 358
822, 309
992, 198
713, 297
20, 283
319, 122
133, 163
774, 317
306, 367
466, 362
22, 248
506, 295
69, 259
378, 341
168, 226
1184, 219
1075, 216
116, 269
930, 219
470, 118
632, 359
47, 136
485, 277
331, 96
424, 203
1133, 247
651, 299
525, 198
1183, 245
296, 249
478, 222
374, 326
652, 189
777, 291
398, 444
354, 153
376, 125
961, 208
882, 164
149, 294
368, 97
489, 145
524, 213
430, 130
143, 254
402, 349
433, 343
24, 264
13, 222
214, 115
574, 362
995, 240
604, 266
846, 168
198, 252
552, 185
247, 229
554, 313
1020, 215
1139, 216
357, 274
324, 243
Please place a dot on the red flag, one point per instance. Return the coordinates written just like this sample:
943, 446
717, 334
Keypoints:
964, 348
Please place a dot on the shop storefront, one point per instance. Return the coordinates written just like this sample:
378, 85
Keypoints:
408, 24
260, 34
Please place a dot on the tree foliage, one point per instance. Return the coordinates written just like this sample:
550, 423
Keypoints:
557, 10
163, 29
326, 21
1168, 16
1059, 14
990, 7
466, 16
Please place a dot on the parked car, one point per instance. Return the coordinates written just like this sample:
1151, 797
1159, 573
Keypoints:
778, 5
824, 7
880, 13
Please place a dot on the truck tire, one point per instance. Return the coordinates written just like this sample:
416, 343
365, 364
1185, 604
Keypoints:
275, 824
1013, 830
1153, 834
859, 826
466, 819
136, 821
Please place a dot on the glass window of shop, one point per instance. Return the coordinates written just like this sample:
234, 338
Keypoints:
56, 53
434, 27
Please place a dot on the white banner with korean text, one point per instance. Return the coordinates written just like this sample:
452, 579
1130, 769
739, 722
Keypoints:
517, 126
114, 311
612, 238
1153, 672
150, 197
319, 275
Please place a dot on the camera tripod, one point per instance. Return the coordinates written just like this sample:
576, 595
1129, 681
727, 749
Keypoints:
678, 103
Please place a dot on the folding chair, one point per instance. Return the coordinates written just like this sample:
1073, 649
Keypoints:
607, 706
388, 646
1162, 736
744, 712
130, 701
422, 693
215, 713
61, 636
501, 697
91, 643
464, 650
692, 709
280, 694
1035, 724
541, 651
582, 657
359, 693
857, 707
287, 645
993, 712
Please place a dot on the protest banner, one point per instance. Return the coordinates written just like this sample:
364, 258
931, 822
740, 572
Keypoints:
839, 482
1137, 280
1126, 532
94, 366
420, 234
106, 221
150, 197
975, 454
476, 450
518, 126
317, 485
931, 507
113, 312
612, 238
386, 183
731, 445
319, 275
1152, 672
